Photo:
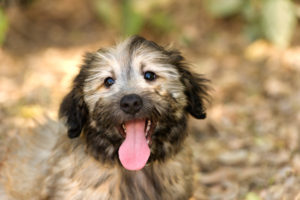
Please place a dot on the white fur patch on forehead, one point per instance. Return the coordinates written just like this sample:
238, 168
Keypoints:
108, 62
114, 58
153, 60
150, 62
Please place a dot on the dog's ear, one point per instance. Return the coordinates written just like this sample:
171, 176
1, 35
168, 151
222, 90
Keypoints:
73, 109
196, 88
74, 112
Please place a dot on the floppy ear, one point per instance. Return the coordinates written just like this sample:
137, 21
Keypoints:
75, 112
196, 90
196, 86
73, 109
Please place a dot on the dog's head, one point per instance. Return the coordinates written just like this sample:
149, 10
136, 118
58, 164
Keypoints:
131, 103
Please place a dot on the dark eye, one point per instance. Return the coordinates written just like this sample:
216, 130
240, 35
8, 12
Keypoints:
109, 82
149, 76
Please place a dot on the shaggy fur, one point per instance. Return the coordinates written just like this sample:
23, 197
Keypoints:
79, 160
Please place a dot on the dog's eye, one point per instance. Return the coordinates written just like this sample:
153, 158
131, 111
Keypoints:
149, 76
109, 82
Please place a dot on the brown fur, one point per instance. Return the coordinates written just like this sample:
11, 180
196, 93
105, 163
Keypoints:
84, 163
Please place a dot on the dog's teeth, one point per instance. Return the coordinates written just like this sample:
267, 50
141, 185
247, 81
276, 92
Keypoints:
148, 127
124, 128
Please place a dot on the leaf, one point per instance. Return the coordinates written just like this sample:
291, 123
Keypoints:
31, 111
258, 50
223, 8
278, 21
3, 26
252, 196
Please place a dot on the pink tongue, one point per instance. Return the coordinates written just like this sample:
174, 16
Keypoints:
134, 151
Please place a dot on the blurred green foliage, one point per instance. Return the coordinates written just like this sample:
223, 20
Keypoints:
3, 26
224, 8
273, 19
252, 196
131, 16
132, 21
278, 21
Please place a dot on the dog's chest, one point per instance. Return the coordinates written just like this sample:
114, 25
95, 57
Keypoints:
78, 176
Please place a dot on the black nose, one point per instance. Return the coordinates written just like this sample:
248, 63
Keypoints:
131, 103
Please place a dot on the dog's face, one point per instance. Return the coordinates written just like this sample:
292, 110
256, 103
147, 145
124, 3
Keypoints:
131, 103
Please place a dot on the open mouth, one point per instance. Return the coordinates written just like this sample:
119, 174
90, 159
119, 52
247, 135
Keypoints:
148, 130
134, 152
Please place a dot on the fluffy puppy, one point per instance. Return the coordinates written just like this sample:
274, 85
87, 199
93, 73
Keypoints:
125, 126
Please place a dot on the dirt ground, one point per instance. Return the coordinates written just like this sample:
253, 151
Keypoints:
247, 148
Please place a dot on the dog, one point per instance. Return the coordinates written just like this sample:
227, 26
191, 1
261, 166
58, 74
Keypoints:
121, 134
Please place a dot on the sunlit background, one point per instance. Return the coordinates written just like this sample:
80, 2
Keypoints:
247, 148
